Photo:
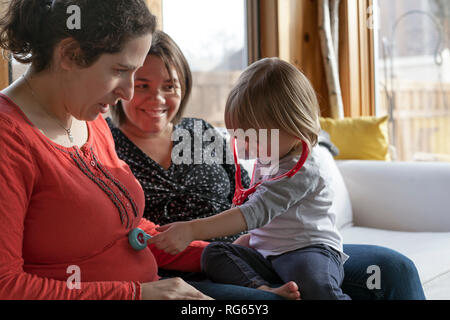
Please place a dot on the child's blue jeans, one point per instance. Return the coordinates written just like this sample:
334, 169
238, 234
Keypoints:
317, 269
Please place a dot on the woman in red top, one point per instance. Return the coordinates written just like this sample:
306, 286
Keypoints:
67, 202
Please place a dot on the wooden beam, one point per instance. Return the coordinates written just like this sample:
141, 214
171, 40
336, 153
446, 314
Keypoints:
366, 59
357, 59
268, 26
348, 55
253, 47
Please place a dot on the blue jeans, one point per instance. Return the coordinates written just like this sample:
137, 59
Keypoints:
399, 277
317, 269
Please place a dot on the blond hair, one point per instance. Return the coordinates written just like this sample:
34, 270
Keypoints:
273, 94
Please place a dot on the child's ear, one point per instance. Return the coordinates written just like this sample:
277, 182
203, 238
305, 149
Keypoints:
68, 53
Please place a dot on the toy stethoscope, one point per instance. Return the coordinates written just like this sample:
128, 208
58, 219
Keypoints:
138, 239
241, 194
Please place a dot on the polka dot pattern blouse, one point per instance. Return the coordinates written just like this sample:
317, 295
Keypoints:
184, 191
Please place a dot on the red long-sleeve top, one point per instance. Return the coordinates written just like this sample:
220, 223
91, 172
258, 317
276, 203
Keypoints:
62, 207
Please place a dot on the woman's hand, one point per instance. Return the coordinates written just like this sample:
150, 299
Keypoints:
171, 289
174, 237
243, 240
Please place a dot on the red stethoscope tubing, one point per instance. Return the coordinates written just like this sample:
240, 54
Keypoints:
241, 194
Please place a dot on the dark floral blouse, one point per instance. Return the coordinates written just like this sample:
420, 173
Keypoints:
184, 191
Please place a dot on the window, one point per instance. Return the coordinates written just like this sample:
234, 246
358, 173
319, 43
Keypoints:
413, 76
213, 36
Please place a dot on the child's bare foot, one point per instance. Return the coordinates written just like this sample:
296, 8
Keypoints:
288, 290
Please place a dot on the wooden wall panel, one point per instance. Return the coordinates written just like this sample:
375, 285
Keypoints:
357, 59
348, 55
268, 28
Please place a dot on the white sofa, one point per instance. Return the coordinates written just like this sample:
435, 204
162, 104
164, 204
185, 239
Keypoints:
404, 206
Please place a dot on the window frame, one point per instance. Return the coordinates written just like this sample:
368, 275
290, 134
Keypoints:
357, 57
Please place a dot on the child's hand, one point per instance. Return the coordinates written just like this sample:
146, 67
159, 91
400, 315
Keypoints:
243, 240
174, 237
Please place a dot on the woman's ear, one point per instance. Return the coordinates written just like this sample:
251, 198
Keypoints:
68, 53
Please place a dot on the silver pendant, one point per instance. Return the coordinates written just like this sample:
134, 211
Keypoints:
69, 134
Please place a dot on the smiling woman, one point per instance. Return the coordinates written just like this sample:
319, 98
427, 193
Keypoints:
157, 98
162, 89
170, 77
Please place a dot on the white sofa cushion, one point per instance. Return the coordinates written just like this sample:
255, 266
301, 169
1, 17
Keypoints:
430, 252
341, 198
400, 196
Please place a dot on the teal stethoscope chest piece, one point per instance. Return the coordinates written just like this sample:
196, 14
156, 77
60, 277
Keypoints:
138, 239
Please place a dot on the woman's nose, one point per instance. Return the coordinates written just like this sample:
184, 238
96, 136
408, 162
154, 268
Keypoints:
156, 96
126, 89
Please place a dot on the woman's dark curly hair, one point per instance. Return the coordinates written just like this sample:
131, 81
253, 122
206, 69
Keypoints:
30, 29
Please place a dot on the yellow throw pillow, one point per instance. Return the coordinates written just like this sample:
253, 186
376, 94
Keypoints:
363, 138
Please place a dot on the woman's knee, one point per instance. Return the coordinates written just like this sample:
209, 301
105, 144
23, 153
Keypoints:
390, 262
391, 275
393, 264
399, 269
399, 276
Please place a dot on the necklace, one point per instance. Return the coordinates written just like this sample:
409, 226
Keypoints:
67, 130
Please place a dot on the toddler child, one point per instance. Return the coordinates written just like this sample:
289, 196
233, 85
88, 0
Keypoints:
292, 236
